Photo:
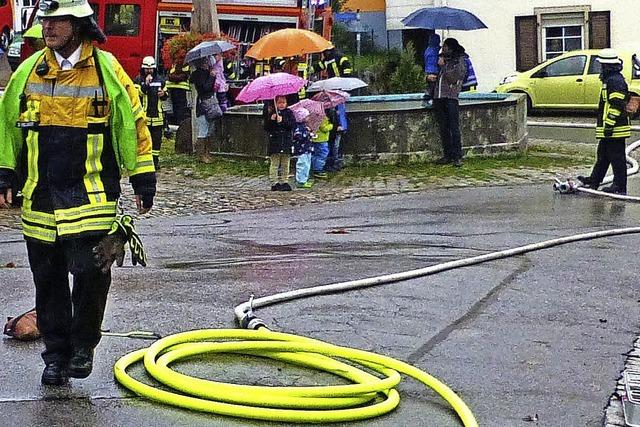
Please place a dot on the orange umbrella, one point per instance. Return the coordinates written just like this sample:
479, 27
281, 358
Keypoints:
288, 42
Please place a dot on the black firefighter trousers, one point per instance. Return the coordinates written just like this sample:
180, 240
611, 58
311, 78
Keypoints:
68, 319
611, 151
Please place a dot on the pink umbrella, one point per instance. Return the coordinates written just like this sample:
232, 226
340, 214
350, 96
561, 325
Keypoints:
331, 98
270, 86
316, 112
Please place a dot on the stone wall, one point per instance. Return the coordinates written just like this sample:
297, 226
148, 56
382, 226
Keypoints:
395, 127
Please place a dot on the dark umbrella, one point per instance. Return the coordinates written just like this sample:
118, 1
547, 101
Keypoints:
443, 18
207, 48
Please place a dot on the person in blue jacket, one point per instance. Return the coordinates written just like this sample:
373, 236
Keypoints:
470, 83
431, 67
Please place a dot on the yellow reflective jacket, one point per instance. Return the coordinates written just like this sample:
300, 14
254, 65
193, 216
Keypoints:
613, 121
73, 131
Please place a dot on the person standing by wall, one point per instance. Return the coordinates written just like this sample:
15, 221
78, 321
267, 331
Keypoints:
71, 119
612, 127
153, 91
203, 78
447, 86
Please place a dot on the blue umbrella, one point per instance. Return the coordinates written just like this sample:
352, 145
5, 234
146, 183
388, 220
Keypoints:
443, 18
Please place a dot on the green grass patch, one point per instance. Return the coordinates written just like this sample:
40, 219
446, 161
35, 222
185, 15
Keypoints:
480, 168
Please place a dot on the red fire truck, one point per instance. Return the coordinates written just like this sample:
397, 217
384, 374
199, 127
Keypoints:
6, 23
137, 28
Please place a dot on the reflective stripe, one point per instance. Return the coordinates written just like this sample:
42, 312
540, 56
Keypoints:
32, 164
616, 95
63, 90
144, 164
38, 225
155, 152
80, 212
138, 113
81, 226
92, 182
38, 233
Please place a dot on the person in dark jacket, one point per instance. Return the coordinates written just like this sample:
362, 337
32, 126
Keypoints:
612, 127
279, 124
153, 91
203, 78
447, 86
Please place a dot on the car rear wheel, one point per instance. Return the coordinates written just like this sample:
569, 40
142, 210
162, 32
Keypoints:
5, 39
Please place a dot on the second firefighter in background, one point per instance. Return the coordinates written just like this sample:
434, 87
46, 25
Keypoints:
152, 89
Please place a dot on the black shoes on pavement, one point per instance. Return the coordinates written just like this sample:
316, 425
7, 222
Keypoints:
81, 363
80, 366
55, 373
614, 189
281, 187
587, 182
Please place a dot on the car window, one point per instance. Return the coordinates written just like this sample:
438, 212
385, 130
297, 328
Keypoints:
594, 65
572, 66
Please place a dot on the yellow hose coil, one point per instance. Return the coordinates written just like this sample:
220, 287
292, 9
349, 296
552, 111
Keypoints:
321, 404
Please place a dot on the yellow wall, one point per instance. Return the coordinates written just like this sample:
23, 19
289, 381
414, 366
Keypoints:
365, 5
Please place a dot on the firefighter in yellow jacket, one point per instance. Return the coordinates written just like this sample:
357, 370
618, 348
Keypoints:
152, 90
70, 121
612, 127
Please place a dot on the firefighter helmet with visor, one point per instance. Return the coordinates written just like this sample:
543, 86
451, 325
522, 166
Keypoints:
76, 8
148, 62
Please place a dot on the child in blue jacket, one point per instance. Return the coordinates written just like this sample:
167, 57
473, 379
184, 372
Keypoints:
431, 67
303, 148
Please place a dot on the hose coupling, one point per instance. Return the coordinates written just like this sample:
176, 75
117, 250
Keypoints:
250, 320
565, 187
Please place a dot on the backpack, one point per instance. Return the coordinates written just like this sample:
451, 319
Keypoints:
23, 327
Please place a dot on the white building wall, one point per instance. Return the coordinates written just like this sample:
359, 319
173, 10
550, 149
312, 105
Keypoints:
398, 9
493, 50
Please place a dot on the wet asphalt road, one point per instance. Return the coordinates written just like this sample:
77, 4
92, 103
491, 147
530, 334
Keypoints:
540, 334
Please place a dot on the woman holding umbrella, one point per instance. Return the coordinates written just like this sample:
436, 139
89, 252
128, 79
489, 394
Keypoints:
207, 108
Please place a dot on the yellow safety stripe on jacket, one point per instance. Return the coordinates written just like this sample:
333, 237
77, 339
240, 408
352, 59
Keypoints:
179, 85
93, 165
346, 70
93, 217
32, 114
610, 116
38, 225
144, 163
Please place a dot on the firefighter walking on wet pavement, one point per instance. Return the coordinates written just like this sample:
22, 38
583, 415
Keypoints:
70, 122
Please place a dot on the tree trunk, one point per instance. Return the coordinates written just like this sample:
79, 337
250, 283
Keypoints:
205, 17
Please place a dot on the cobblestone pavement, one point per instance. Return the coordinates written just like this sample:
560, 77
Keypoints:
180, 194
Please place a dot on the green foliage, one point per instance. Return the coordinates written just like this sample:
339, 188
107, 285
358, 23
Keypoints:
380, 72
408, 77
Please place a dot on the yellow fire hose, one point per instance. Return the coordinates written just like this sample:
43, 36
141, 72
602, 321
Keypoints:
367, 397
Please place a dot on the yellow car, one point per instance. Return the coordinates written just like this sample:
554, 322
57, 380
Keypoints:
569, 81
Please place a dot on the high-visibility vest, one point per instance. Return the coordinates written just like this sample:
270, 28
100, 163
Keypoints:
91, 121
184, 85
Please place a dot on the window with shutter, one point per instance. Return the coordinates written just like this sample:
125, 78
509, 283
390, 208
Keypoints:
526, 42
599, 30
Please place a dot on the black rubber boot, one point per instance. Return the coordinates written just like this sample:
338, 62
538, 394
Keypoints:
55, 373
81, 363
